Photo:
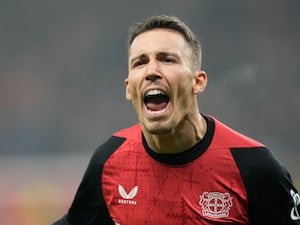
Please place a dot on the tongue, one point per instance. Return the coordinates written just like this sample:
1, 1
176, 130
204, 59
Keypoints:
156, 103
156, 106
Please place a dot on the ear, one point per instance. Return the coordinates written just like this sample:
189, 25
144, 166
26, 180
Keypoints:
128, 95
200, 82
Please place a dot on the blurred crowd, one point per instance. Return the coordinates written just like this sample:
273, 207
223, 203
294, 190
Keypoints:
62, 70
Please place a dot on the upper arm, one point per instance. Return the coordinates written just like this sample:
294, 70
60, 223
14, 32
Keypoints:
88, 206
62, 221
268, 185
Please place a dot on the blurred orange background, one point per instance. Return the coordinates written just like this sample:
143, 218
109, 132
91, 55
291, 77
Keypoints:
37, 190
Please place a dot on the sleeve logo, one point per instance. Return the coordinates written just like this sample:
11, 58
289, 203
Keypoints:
295, 212
215, 204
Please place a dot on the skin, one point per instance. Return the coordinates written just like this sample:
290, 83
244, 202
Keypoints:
161, 59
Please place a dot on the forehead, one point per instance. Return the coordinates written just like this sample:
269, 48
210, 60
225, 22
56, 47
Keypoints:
157, 40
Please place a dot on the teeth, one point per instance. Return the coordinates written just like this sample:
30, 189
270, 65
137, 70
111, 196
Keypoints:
155, 92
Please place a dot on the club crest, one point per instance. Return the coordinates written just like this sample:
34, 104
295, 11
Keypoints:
215, 204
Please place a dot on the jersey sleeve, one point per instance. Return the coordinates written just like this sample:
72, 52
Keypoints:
272, 197
88, 206
62, 221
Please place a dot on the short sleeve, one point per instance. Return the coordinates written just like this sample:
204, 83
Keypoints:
272, 197
88, 206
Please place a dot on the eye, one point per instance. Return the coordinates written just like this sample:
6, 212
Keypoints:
169, 60
138, 63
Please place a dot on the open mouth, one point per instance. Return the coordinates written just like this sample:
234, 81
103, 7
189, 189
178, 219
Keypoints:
156, 100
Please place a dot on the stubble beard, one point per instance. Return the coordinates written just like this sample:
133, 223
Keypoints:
168, 127
159, 128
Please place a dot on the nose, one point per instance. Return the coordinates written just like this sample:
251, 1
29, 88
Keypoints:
153, 77
153, 71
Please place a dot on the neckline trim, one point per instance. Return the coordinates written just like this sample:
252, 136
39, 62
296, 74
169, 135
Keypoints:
190, 154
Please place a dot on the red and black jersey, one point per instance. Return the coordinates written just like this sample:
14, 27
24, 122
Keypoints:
226, 178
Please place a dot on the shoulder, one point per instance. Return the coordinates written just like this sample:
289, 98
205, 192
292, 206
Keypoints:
258, 162
112, 144
267, 184
133, 133
226, 137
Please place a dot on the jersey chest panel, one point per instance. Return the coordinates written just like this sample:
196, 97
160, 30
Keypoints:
138, 190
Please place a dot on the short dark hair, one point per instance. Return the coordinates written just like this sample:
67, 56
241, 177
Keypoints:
168, 22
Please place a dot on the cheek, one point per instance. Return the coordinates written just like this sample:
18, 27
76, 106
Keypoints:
134, 96
184, 96
184, 101
131, 88
184, 88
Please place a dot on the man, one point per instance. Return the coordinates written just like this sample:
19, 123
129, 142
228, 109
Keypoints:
178, 166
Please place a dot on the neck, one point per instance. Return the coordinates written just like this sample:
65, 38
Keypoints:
183, 137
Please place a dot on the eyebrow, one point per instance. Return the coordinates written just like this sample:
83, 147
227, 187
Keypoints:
158, 55
164, 54
137, 57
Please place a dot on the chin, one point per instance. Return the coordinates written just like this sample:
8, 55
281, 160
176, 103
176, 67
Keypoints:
158, 127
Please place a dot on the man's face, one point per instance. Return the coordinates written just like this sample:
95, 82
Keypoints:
161, 82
